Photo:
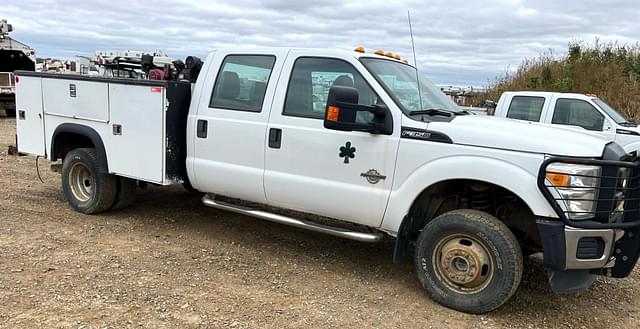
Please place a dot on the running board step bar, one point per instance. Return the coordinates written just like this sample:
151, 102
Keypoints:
208, 201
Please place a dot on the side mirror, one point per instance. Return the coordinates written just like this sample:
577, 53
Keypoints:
342, 109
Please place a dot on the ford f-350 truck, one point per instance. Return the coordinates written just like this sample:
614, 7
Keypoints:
350, 144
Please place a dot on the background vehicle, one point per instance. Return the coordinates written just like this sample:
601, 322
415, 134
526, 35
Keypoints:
13, 56
579, 111
349, 144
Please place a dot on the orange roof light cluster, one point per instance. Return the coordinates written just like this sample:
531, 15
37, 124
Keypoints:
380, 52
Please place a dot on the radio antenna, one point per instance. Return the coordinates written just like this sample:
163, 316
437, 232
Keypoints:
415, 59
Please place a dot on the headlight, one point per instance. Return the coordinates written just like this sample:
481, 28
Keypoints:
575, 187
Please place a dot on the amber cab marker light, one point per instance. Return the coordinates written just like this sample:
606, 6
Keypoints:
379, 52
332, 113
405, 61
359, 49
389, 54
558, 179
396, 56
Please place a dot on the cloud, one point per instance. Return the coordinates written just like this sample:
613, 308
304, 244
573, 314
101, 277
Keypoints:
457, 42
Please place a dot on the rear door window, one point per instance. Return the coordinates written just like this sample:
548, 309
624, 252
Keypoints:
242, 82
526, 108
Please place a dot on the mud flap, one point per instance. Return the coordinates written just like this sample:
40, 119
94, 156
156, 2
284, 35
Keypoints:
571, 281
627, 251
402, 240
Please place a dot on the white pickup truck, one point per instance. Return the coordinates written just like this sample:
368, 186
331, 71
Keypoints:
350, 140
578, 111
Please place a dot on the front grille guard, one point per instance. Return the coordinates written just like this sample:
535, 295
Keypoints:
609, 213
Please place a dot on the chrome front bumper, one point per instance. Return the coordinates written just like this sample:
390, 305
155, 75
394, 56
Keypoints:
599, 247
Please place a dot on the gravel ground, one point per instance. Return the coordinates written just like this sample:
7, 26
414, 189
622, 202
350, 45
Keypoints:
168, 262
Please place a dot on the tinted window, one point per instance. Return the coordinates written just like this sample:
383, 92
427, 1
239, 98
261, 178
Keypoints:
577, 112
309, 86
526, 108
242, 82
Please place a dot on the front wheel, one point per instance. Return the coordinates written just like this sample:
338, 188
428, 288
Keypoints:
86, 186
469, 261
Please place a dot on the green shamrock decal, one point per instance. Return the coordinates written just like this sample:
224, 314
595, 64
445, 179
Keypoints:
347, 151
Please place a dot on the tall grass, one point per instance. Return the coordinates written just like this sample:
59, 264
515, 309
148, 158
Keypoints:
609, 70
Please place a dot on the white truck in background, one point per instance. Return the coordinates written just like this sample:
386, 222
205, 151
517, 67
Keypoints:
577, 111
351, 140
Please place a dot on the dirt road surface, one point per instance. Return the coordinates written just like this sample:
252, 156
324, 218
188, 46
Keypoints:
169, 262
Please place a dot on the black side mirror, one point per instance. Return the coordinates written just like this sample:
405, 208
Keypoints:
342, 109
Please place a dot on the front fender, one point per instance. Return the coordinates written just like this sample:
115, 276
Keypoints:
495, 171
632, 147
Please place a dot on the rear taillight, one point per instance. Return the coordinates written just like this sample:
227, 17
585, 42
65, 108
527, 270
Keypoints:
17, 79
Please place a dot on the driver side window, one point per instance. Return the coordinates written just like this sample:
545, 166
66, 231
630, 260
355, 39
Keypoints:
310, 81
576, 112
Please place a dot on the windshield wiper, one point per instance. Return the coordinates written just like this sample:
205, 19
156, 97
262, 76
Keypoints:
438, 111
628, 124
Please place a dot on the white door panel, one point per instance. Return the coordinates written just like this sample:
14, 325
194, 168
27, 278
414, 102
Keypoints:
139, 147
76, 98
29, 116
308, 172
229, 160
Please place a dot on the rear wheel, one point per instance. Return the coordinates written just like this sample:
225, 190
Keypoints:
468, 260
85, 185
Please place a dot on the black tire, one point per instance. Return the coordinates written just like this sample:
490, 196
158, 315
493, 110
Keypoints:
469, 261
11, 113
125, 193
85, 185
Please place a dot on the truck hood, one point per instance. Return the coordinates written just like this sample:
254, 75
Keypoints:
521, 136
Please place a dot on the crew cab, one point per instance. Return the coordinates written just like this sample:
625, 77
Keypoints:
349, 144
578, 111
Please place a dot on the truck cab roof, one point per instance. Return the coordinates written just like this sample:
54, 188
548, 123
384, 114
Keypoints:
338, 53
549, 94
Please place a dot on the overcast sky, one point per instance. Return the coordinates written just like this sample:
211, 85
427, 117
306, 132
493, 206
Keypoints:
459, 42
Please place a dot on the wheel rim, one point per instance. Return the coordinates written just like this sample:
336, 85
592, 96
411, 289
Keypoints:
463, 263
81, 182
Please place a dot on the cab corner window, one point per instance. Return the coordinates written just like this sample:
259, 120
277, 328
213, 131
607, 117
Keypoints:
577, 112
526, 108
310, 81
242, 82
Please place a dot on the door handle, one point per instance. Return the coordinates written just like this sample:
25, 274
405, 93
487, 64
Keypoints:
201, 130
275, 138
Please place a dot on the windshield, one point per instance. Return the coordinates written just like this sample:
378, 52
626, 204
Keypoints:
400, 82
613, 114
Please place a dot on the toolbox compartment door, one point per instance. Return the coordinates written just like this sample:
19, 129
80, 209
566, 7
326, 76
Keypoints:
29, 116
137, 133
76, 98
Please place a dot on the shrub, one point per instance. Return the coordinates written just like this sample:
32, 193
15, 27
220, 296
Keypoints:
609, 70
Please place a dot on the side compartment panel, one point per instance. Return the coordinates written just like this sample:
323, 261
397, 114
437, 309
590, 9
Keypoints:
76, 98
29, 116
137, 138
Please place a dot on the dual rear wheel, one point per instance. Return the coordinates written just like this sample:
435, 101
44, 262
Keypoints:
89, 188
